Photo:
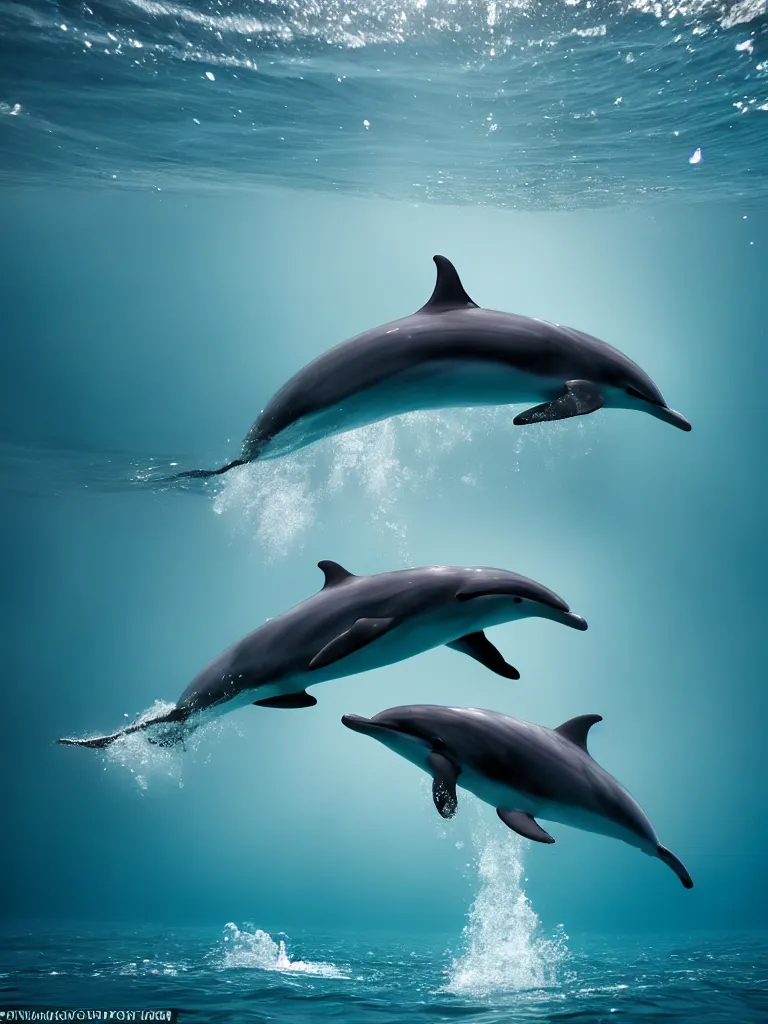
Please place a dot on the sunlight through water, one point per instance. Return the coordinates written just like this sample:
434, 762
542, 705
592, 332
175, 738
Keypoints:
507, 103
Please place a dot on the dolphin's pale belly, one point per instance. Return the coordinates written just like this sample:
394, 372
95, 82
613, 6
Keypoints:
438, 384
244, 698
510, 799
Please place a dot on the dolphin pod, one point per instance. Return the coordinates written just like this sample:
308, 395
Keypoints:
448, 354
354, 624
523, 770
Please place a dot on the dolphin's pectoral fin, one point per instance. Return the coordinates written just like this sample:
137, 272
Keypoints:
479, 647
334, 573
288, 700
577, 729
677, 866
525, 825
449, 291
362, 633
579, 397
444, 776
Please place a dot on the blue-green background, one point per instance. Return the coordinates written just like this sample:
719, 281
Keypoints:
148, 324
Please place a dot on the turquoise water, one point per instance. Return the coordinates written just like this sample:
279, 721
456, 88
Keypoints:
510, 103
246, 974
198, 199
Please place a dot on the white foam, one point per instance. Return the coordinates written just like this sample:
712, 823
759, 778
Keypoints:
257, 950
272, 500
277, 501
505, 948
149, 763
368, 458
149, 967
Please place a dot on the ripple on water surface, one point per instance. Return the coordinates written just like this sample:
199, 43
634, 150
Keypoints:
512, 103
247, 973
504, 967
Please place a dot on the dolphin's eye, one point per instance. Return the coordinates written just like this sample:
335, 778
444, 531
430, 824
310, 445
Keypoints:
517, 600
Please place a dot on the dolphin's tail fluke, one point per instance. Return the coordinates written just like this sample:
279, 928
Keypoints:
168, 738
95, 742
677, 866
202, 474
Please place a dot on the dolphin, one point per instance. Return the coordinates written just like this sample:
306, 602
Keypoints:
354, 624
448, 354
523, 770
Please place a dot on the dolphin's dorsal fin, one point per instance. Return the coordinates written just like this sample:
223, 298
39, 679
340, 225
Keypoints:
577, 729
334, 573
449, 291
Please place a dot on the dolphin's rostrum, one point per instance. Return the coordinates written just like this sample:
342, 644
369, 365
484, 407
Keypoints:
523, 770
449, 354
355, 623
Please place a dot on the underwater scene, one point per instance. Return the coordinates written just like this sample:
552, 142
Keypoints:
383, 481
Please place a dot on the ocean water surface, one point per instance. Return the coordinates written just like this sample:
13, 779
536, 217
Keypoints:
244, 974
196, 199
504, 967
514, 103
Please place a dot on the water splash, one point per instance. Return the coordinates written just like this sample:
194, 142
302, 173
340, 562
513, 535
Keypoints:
276, 501
369, 458
255, 949
505, 948
149, 763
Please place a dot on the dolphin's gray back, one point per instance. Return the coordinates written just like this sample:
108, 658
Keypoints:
529, 345
284, 646
531, 758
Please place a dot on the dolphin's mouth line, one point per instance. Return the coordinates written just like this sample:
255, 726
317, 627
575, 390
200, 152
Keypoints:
669, 415
638, 394
554, 602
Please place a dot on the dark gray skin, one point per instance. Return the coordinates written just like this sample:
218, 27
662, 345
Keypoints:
449, 354
521, 769
355, 623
